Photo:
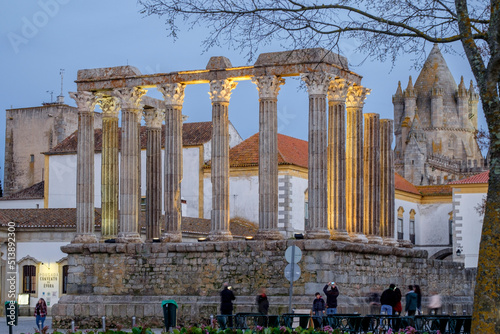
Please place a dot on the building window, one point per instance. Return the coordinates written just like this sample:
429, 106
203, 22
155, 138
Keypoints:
65, 279
412, 231
143, 203
400, 229
32, 158
29, 279
306, 214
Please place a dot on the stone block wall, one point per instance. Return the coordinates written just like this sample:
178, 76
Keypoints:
124, 280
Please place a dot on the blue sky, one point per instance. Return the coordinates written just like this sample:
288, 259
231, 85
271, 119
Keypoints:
38, 38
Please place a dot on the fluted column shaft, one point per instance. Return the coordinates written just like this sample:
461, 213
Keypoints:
336, 160
268, 87
85, 220
220, 93
153, 118
354, 162
317, 85
129, 164
387, 183
371, 160
109, 167
174, 98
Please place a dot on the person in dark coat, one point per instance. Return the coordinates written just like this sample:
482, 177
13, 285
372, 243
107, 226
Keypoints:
226, 302
411, 301
417, 290
388, 300
263, 307
318, 309
331, 297
396, 310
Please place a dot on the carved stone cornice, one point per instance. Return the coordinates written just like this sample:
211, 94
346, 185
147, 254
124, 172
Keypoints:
317, 82
220, 90
153, 117
130, 98
172, 93
110, 105
337, 91
268, 86
85, 101
356, 96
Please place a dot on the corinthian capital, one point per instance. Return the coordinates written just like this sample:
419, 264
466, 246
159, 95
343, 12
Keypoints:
220, 90
110, 105
130, 98
317, 82
268, 86
356, 96
153, 117
85, 101
172, 93
337, 91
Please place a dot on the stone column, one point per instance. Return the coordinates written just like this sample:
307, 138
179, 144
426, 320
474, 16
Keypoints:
85, 208
129, 163
220, 93
337, 93
109, 167
154, 119
174, 98
387, 205
268, 87
317, 87
354, 162
371, 161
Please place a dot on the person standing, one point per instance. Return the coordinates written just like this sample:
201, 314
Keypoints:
318, 309
419, 299
263, 307
396, 310
226, 303
331, 297
411, 301
388, 300
435, 303
40, 313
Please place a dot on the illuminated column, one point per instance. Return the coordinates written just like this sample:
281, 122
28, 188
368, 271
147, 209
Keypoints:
354, 162
371, 193
387, 183
85, 221
317, 87
129, 164
337, 93
153, 118
174, 98
220, 93
109, 167
268, 87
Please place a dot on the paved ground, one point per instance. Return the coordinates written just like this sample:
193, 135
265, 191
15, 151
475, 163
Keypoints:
27, 325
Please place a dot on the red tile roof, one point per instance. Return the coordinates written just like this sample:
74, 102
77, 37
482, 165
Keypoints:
66, 218
196, 133
36, 191
479, 178
400, 183
291, 151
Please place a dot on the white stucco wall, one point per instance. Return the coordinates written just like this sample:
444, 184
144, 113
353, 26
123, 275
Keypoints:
468, 226
22, 204
191, 180
299, 186
244, 197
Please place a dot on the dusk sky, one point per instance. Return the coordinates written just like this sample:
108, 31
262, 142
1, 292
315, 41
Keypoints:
38, 38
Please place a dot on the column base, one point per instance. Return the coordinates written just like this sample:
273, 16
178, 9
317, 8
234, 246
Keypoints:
107, 237
375, 239
128, 237
390, 242
317, 234
405, 244
358, 238
171, 237
220, 236
269, 235
84, 239
340, 236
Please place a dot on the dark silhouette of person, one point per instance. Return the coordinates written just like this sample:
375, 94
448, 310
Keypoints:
226, 303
